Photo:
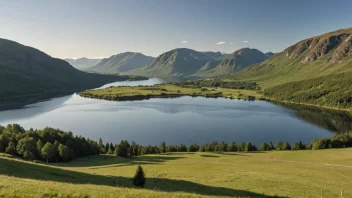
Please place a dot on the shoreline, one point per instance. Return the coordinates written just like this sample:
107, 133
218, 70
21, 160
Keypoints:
120, 94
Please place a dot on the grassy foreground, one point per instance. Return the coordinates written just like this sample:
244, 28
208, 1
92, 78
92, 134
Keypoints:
279, 173
167, 90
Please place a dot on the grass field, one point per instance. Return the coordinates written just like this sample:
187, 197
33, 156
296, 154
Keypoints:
277, 173
167, 90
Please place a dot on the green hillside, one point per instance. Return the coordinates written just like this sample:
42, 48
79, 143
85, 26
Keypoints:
267, 174
27, 71
123, 62
314, 71
236, 61
318, 56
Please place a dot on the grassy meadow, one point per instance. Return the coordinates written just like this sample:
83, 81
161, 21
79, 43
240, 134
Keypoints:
261, 174
168, 90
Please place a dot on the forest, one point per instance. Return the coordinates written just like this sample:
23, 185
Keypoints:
332, 91
54, 145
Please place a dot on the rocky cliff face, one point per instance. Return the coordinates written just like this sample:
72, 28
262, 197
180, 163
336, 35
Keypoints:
335, 46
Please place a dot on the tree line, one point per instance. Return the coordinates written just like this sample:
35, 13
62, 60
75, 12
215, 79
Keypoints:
219, 83
54, 145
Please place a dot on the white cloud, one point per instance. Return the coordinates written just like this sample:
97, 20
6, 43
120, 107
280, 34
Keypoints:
184, 42
231, 43
245, 41
221, 42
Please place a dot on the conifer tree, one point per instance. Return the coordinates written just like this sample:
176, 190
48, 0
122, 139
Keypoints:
139, 178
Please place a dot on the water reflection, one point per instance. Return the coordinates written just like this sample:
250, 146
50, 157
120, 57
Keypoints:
180, 120
333, 120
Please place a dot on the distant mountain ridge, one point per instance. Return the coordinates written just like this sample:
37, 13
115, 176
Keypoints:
188, 62
122, 62
83, 63
27, 71
180, 62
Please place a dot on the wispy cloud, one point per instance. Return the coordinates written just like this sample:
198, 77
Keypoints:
231, 43
245, 41
184, 42
221, 42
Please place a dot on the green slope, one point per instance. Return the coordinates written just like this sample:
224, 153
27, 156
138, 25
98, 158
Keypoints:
236, 61
121, 63
318, 56
28, 71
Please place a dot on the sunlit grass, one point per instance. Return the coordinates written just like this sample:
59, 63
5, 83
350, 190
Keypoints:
282, 173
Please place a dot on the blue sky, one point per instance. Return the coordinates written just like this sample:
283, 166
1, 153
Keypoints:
88, 28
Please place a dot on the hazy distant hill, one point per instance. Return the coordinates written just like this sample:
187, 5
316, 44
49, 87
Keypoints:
121, 63
83, 63
180, 62
321, 55
237, 61
28, 71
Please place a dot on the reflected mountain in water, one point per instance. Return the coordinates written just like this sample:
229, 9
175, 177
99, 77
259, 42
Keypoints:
333, 120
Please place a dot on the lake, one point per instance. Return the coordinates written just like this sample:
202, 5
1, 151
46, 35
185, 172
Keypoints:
180, 120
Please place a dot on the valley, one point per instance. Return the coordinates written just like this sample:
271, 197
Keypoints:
175, 99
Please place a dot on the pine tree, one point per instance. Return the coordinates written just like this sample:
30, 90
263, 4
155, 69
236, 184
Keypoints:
116, 151
139, 178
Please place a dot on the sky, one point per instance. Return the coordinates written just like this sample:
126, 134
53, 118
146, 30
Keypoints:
97, 29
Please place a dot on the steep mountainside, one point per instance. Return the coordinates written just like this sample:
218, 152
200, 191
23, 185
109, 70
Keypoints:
121, 63
318, 56
28, 71
83, 63
180, 62
237, 61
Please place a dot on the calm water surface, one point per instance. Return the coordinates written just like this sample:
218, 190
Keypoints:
178, 120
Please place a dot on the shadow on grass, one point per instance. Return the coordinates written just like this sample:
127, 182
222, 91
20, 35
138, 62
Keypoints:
178, 153
26, 170
231, 153
215, 156
105, 160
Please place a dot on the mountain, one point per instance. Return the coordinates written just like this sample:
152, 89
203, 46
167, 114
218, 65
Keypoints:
316, 71
83, 63
27, 71
322, 55
121, 63
180, 62
269, 54
237, 61
185, 62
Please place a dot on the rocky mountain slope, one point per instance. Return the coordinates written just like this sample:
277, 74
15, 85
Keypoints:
314, 57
